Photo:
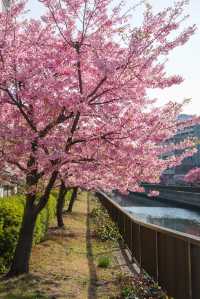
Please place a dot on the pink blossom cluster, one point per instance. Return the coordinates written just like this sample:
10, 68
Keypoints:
193, 176
153, 193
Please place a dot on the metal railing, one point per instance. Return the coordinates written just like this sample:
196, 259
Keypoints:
170, 257
192, 189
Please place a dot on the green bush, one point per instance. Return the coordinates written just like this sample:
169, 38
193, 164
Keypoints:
104, 227
68, 195
11, 212
104, 262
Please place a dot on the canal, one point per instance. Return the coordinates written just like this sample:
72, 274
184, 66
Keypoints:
160, 213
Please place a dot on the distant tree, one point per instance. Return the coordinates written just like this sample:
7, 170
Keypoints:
193, 176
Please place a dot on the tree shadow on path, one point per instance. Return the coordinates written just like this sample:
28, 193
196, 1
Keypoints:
92, 288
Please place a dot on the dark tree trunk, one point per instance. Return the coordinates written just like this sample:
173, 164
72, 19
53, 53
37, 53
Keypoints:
20, 264
60, 205
72, 199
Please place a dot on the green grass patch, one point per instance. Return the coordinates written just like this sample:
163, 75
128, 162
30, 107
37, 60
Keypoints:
33, 296
104, 262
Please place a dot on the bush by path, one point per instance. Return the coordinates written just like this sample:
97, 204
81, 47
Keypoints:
11, 212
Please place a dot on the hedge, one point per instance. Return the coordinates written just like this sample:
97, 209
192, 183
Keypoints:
11, 212
68, 195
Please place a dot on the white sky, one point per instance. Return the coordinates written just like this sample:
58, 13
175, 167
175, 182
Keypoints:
184, 60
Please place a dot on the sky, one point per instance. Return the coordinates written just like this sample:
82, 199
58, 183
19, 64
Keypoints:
184, 60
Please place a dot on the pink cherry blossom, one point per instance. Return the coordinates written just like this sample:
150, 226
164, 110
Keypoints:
193, 176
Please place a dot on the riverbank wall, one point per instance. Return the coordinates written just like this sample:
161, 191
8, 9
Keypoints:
188, 197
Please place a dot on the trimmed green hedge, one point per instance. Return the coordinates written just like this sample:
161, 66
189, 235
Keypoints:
11, 212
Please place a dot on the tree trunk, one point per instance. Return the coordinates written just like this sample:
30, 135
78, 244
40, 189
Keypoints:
72, 200
20, 264
60, 205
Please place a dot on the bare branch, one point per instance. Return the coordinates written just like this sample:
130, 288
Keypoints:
60, 119
20, 107
97, 87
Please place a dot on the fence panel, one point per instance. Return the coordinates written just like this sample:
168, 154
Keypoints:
121, 222
195, 271
173, 266
149, 259
127, 231
136, 243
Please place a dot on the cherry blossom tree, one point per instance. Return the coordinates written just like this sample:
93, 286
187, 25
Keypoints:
74, 100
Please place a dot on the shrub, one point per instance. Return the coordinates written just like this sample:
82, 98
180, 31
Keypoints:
11, 212
68, 195
104, 262
45, 217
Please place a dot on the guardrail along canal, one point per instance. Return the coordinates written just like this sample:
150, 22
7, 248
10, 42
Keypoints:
160, 213
171, 257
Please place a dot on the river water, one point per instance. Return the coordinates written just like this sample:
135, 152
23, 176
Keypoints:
161, 213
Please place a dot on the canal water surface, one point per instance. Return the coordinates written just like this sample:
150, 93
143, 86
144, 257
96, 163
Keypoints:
161, 213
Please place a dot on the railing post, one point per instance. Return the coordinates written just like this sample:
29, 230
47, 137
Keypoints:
124, 226
140, 251
132, 255
157, 274
189, 269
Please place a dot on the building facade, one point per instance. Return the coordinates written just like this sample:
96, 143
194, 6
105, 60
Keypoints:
175, 175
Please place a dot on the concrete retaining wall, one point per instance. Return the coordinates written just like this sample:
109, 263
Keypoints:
188, 199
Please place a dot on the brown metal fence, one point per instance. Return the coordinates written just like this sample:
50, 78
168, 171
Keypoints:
170, 257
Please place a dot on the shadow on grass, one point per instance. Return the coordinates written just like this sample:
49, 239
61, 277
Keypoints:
33, 296
90, 256
20, 288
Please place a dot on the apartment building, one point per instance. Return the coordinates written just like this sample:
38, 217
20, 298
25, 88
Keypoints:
175, 175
